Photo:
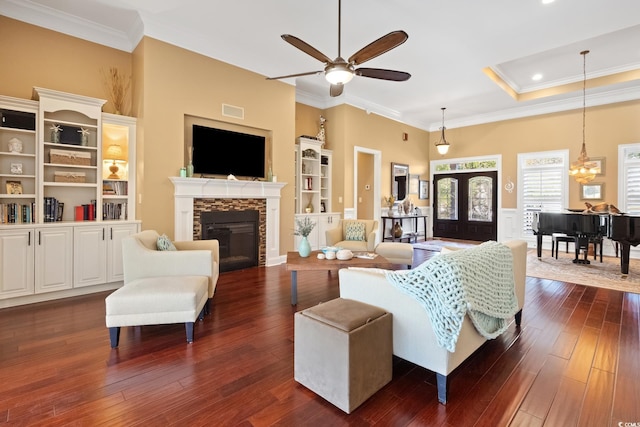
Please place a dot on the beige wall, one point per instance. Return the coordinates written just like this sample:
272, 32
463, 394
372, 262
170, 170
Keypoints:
178, 82
307, 120
169, 82
33, 56
606, 127
347, 127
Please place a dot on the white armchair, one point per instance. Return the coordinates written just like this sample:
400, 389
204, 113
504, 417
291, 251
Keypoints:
163, 287
143, 259
341, 236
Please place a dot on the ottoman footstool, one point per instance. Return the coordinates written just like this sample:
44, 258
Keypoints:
396, 252
157, 301
343, 351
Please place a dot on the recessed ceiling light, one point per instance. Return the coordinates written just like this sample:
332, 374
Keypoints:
536, 77
547, 1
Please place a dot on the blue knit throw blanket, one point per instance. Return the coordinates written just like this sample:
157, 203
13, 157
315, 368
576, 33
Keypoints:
478, 281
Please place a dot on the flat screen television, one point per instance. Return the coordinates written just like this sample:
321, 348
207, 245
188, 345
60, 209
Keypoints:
224, 152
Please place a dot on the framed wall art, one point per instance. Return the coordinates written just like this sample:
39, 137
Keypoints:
592, 191
424, 189
414, 183
14, 187
600, 163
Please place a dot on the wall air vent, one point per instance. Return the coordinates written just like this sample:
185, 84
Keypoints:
233, 111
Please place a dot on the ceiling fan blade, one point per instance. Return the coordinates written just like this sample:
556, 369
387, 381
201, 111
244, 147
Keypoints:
378, 47
336, 90
294, 75
306, 48
379, 73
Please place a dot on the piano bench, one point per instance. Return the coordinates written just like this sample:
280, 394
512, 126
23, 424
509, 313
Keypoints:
556, 238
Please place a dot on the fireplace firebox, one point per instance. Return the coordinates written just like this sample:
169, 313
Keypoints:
237, 234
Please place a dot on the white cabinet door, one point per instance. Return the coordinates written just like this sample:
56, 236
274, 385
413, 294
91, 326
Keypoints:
114, 256
326, 222
89, 255
54, 259
16, 263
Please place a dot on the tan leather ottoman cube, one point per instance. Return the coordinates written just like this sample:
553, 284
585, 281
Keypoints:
343, 351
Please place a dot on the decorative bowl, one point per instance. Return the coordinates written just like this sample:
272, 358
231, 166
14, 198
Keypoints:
344, 254
327, 249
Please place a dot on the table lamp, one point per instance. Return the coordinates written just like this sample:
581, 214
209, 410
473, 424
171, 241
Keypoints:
114, 153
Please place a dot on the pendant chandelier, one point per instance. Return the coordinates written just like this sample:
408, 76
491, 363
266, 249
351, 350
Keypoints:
442, 146
583, 170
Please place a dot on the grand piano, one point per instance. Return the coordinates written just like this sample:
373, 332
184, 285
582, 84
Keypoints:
584, 227
623, 229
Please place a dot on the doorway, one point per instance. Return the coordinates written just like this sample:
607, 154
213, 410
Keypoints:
465, 205
367, 194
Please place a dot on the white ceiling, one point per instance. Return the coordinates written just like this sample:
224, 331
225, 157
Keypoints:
450, 43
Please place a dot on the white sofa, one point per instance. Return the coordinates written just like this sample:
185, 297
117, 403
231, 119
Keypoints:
413, 337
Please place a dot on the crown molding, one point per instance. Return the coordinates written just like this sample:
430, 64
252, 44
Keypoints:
46, 17
593, 100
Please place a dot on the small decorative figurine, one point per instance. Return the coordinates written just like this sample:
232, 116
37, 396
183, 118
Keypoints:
55, 133
15, 145
321, 133
84, 136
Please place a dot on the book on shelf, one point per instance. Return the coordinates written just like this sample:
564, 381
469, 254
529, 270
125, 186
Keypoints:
86, 212
113, 210
17, 213
51, 207
117, 188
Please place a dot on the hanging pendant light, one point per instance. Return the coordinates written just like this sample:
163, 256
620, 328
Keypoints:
442, 146
583, 170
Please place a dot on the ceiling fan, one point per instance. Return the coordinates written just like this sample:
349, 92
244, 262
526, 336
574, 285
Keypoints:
339, 72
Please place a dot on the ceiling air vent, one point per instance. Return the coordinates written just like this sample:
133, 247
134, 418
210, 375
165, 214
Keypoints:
233, 111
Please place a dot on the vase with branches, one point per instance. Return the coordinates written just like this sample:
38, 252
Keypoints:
303, 228
117, 85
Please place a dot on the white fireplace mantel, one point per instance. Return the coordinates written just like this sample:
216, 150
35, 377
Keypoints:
188, 189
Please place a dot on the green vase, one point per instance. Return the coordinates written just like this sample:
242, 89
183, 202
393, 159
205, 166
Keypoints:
304, 248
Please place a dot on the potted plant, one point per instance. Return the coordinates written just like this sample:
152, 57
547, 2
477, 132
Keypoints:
303, 228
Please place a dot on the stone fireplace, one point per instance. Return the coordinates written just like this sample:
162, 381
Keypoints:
194, 196
238, 225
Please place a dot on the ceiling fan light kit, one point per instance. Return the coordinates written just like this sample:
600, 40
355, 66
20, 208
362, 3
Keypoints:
340, 72
584, 170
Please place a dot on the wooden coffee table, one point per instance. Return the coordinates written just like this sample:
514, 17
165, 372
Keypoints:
297, 263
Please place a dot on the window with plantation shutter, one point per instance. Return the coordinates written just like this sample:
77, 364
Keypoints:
542, 185
629, 177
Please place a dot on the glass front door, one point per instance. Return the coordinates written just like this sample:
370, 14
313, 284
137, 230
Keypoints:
465, 206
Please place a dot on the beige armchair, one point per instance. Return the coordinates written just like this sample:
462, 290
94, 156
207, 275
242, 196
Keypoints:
142, 259
347, 236
163, 287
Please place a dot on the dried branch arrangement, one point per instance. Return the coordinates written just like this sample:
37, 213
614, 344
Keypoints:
117, 85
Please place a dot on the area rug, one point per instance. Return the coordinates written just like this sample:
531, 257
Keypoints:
603, 275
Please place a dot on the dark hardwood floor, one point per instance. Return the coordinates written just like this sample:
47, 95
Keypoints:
574, 362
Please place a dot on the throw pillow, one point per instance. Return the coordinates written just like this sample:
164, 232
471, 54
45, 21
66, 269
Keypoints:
165, 244
354, 231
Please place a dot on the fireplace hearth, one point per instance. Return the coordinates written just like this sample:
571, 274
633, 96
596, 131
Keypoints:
237, 234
